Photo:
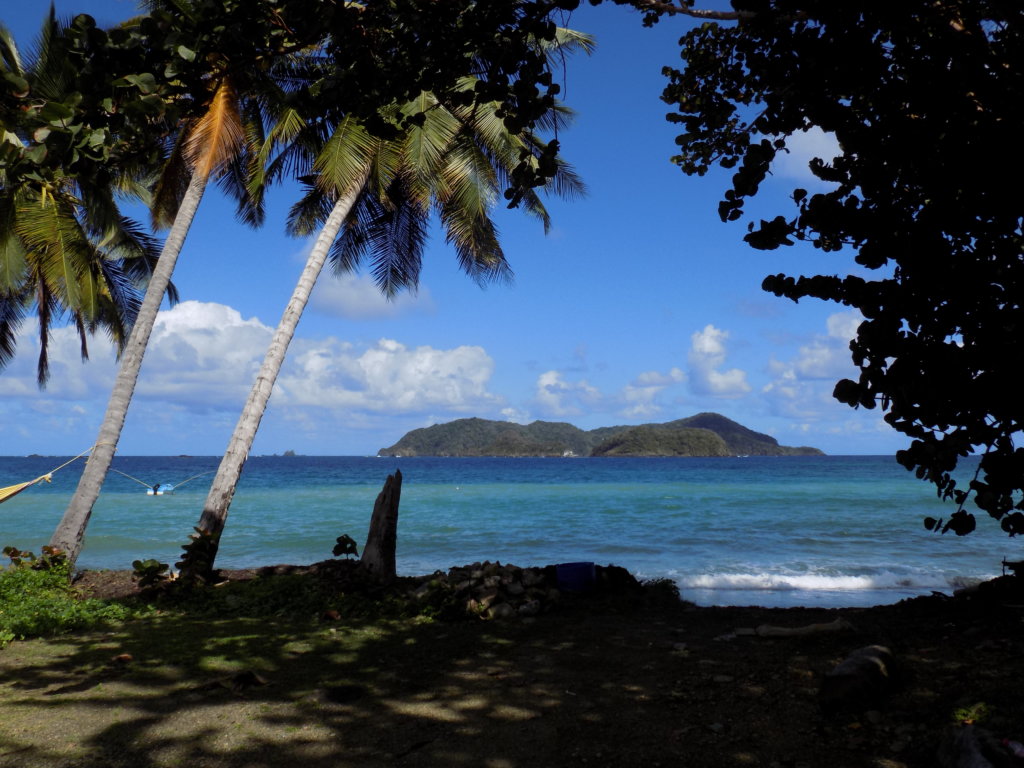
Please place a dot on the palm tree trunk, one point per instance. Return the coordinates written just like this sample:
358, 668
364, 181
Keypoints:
71, 531
222, 490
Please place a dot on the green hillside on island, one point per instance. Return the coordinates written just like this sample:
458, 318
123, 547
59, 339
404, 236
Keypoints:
703, 435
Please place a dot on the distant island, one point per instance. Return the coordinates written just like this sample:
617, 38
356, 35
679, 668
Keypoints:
703, 435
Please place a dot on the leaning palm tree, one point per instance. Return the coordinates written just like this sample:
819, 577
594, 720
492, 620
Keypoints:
452, 161
204, 147
65, 249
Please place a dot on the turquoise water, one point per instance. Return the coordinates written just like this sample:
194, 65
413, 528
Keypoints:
833, 530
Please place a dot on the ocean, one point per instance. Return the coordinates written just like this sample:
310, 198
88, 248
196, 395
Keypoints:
786, 531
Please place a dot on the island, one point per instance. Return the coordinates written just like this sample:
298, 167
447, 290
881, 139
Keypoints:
702, 435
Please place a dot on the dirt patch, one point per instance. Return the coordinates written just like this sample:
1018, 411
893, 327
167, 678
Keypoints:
637, 680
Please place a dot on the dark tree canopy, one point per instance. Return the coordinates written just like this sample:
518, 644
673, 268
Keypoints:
163, 68
926, 99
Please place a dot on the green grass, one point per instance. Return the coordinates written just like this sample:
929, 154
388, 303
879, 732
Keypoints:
40, 603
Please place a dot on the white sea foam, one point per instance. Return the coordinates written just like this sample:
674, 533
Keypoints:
816, 582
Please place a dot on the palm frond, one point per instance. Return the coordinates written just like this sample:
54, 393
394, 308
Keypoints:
52, 72
121, 301
46, 307
13, 264
171, 184
243, 177
133, 257
350, 248
9, 56
218, 136
57, 246
310, 212
13, 311
344, 156
394, 233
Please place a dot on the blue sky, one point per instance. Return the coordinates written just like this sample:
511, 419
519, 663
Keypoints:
638, 306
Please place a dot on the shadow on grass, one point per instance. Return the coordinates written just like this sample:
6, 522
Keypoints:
179, 690
610, 683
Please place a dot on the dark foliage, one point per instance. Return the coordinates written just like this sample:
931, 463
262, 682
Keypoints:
138, 80
925, 99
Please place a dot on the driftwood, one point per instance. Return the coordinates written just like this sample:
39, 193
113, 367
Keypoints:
860, 681
379, 553
768, 630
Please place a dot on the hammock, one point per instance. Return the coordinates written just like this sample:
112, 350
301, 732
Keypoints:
159, 489
13, 490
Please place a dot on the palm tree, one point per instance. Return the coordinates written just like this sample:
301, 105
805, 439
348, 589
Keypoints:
65, 249
454, 162
205, 146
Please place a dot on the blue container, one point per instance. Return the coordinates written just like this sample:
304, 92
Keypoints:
576, 577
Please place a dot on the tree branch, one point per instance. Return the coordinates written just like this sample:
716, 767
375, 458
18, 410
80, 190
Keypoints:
697, 13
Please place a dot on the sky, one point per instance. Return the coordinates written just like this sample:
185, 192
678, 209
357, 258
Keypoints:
638, 306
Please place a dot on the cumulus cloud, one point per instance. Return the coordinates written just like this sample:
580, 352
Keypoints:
801, 388
707, 355
388, 376
357, 297
639, 396
204, 356
557, 397
804, 146
516, 415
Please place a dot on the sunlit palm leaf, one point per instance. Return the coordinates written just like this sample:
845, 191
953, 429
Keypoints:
344, 156
217, 137
57, 246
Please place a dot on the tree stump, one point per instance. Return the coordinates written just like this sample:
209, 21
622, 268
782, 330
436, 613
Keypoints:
379, 553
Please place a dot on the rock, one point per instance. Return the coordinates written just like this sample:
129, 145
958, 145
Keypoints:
487, 597
861, 681
529, 608
501, 611
532, 577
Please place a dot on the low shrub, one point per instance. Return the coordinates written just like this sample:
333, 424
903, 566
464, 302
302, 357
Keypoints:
37, 602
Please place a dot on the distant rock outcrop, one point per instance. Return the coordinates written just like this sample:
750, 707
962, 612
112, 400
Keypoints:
705, 434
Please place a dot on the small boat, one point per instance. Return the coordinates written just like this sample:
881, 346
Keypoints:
161, 489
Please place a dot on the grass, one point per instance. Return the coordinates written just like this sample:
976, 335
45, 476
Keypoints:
39, 602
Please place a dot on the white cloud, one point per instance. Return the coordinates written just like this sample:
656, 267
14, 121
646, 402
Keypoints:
357, 297
516, 415
707, 355
557, 397
204, 357
801, 388
639, 397
803, 146
387, 377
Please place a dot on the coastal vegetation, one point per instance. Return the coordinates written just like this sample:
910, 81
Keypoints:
916, 100
705, 434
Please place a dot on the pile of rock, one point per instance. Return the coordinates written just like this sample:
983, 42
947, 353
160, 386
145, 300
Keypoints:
491, 590
495, 591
